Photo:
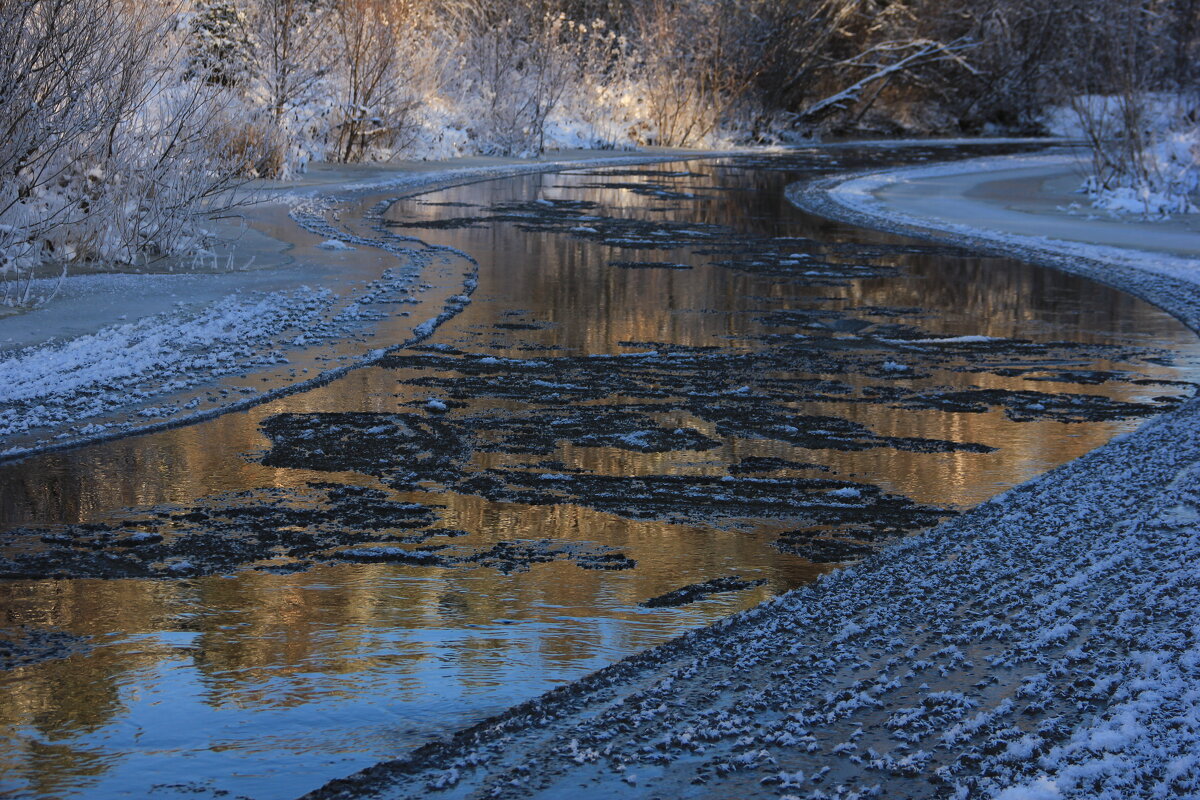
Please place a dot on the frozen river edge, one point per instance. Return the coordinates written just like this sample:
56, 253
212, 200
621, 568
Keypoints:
1043, 645
238, 348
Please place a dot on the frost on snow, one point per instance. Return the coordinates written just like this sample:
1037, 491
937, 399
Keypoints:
61, 383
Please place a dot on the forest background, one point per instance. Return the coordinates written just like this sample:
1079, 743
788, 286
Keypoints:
124, 123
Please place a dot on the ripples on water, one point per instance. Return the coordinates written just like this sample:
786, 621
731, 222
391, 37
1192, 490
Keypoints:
665, 365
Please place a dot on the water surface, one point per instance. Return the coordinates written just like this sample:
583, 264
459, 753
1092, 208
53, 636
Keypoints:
667, 375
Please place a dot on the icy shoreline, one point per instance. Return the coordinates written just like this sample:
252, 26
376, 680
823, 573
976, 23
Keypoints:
951, 199
1043, 645
186, 364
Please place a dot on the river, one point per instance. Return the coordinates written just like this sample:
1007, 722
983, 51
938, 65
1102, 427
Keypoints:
667, 377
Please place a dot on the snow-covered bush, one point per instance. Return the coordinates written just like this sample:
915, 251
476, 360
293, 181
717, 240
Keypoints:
1131, 81
354, 80
291, 58
529, 78
698, 60
374, 103
109, 155
360, 80
1145, 150
339, 81
517, 70
220, 49
1162, 180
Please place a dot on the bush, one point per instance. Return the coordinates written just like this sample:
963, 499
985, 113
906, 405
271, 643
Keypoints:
109, 157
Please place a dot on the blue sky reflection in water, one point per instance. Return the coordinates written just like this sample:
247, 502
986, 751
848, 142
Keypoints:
266, 683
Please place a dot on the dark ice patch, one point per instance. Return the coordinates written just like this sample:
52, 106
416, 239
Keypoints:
699, 591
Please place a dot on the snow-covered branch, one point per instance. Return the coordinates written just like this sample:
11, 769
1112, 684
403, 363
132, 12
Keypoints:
914, 54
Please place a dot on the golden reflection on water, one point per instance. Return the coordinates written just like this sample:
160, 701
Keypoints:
289, 680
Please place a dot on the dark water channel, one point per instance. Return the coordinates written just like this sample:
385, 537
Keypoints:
668, 377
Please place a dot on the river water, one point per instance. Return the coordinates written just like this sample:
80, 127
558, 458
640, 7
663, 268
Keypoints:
667, 377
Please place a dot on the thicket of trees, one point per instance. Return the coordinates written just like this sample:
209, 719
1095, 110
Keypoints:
122, 120
383, 75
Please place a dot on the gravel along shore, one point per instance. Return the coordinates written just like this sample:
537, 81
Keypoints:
1044, 645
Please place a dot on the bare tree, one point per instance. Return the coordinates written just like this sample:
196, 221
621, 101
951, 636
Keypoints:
883, 62
522, 57
802, 34
375, 107
292, 45
1111, 104
698, 59
290, 61
104, 154
1185, 25
492, 42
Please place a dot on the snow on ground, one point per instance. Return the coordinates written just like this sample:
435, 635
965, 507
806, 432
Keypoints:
1045, 645
860, 194
1166, 180
62, 383
200, 359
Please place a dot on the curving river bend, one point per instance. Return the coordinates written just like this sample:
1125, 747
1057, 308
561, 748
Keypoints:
668, 377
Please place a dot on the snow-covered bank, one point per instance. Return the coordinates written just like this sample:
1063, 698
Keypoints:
953, 199
86, 376
1043, 645
116, 354
238, 338
1143, 150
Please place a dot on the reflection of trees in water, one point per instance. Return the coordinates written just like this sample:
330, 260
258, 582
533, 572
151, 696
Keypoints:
63, 700
271, 640
267, 641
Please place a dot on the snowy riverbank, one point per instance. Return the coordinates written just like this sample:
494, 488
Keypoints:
314, 287
1043, 645
1023, 201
